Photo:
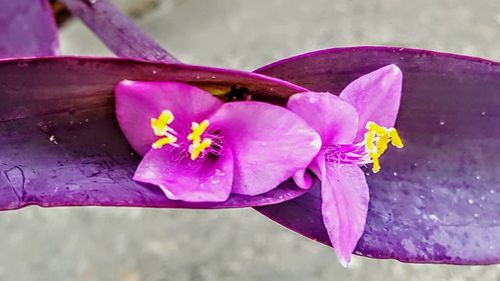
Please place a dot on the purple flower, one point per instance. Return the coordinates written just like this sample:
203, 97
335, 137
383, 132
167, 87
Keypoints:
198, 149
353, 131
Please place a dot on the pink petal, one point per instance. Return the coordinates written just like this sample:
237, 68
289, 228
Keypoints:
180, 178
302, 179
334, 119
376, 96
270, 144
137, 102
344, 206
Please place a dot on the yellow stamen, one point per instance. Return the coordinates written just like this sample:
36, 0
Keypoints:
377, 140
160, 124
197, 130
369, 139
395, 139
198, 145
161, 129
376, 163
379, 130
169, 139
382, 144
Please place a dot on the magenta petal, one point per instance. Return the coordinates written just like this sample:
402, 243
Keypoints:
376, 96
137, 102
344, 206
270, 144
303, 179
206, 180
333, 118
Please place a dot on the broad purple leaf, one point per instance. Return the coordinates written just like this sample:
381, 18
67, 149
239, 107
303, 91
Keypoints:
60, 144
438, 199
27, 29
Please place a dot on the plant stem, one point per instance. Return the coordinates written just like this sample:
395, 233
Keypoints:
117, 31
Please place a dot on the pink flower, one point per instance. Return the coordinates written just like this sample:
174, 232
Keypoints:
198, 149
355, 129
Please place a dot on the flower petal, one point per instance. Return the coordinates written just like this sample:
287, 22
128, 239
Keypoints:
270, 144
344, 205
376, 96
333, 118
303, 179
137, 102
206, 180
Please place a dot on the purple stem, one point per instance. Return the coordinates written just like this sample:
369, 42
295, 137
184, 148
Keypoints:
117, 31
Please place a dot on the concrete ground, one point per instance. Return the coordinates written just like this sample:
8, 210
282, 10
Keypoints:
158, 245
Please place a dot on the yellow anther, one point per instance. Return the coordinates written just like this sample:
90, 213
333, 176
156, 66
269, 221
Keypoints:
198, 147
382, 144
395, 139
160, 124
161, 129
197, 130
169, 139
376, 163
369, 139
377, 140
379, 130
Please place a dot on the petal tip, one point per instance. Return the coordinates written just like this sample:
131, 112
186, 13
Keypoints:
394, 71
394, 68
316, 143
167, 193
344, 262
124, 83
302, 179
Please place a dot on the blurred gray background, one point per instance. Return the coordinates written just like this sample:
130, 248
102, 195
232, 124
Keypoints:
144, 244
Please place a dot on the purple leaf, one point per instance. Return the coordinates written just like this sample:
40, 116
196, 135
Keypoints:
27, 29
437, 200
60, 142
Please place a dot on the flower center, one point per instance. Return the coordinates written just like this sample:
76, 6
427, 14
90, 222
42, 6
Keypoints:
377, 140
375, 143
169, 136
198, 145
